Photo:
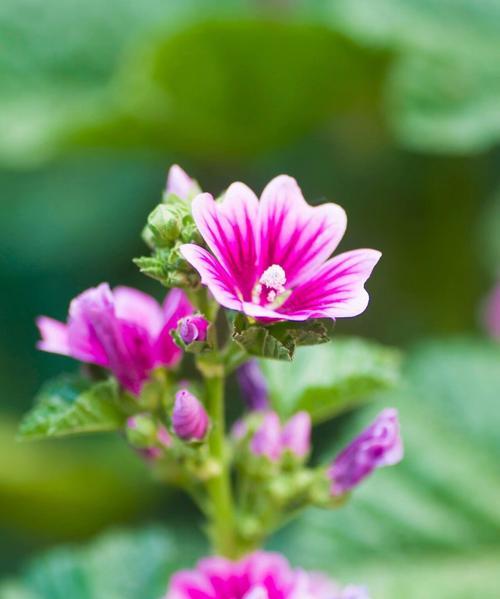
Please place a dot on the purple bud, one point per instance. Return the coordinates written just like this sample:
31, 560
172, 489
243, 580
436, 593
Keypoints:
296, 434
150, 453
189, 418
180, 183
193, 328
492, 313
253, 385
267, 438
377, 446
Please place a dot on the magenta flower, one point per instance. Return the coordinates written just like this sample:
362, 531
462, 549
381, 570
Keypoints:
377, 446
272, 439
193, 328
270, 258
260, 575
123, 330
189, 418
180, 183
492, 313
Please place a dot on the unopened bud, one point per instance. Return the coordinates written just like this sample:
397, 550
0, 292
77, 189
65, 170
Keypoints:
296, 434
189, 418
180, 183
141, 431
193, 328
377, 446
165, 223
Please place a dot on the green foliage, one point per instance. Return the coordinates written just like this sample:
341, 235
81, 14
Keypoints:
430, 527
119, 565
72, 405
444, 89
329, 379
55, 492
279, 341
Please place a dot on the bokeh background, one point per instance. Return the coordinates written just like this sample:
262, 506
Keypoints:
388, 107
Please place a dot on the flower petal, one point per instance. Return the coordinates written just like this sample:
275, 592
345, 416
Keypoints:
229, 229
336, 290
138, 307
293, 234
213, 275
176, 305
54, 336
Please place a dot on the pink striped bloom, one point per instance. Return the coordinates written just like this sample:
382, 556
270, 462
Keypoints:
270, 258
260, 575
123, 330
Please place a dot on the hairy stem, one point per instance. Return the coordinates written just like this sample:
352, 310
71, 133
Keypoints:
223, 525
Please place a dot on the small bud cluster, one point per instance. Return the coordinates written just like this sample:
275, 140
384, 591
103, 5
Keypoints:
169, 226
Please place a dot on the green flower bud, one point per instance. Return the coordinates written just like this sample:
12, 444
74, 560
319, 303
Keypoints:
141, 431
165, 223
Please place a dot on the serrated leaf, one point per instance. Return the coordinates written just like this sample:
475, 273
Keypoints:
71, 405
259, 341
329, 379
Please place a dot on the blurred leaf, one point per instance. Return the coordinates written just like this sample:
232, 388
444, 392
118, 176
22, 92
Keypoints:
119, 565
430, 527
444, 89
329, 379
74, 487
263, 82
72, 405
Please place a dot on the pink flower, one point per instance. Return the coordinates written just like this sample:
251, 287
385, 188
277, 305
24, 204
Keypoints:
260, 575
180, 183
377, 446
123, 330
270, 258
272, 439
189, 418
492, 313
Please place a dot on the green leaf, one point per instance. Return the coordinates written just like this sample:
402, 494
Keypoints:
119, 565
280, 340
71, 405
329, 379
428, 528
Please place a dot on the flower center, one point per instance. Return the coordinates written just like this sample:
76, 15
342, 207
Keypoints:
270, 288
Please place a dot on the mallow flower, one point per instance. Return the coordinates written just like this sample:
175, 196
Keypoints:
271, 258
378, 445
260, 575
124, 330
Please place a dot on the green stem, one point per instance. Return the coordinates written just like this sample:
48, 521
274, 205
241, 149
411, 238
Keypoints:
223, 526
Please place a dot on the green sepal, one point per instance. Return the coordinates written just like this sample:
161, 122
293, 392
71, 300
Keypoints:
279, 341
72, 405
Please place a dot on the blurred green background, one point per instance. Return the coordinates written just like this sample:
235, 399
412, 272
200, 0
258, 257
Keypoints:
388, 107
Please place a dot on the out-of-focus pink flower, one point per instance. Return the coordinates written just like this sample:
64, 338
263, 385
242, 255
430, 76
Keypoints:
193, 328
180, 183
270, 258
492, 313
260, 575
189, 418
377, 446
253, 385
123, 330
271, 439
